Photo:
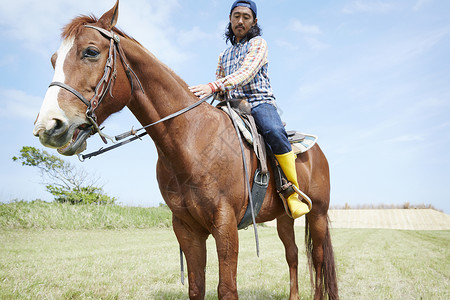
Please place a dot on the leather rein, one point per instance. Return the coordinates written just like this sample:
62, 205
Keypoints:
105, 84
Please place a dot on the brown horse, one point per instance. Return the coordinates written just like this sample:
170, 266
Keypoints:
199, 170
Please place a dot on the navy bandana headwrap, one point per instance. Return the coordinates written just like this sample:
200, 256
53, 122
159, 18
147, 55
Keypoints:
246, 3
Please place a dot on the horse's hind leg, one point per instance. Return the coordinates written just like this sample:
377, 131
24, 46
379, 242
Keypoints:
285, 228
193, 245
319, 248
317, 227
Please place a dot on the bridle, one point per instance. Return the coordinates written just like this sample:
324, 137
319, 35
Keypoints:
106, 82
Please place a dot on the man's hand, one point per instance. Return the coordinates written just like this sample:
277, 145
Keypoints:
201, 90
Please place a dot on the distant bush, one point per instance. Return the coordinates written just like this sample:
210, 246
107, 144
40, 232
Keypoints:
67, 183
83, 195
53, 215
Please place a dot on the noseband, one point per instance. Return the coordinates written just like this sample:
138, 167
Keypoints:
105, 83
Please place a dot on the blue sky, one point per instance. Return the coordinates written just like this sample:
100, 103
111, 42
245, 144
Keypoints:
370, 78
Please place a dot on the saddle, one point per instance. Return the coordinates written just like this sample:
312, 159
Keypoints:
241, 113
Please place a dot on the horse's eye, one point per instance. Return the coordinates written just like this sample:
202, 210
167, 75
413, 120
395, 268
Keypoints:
90, 53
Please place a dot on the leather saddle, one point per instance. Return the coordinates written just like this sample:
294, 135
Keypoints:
242, 114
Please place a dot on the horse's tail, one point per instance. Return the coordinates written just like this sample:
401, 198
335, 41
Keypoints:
328, 281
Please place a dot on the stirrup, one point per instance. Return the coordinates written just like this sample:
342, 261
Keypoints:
304, 196
284, 197
286, 207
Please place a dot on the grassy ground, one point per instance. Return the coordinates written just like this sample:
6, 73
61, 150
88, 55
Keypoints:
144, 264
59, 251
45, 215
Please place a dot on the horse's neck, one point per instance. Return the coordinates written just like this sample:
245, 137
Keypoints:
164, 93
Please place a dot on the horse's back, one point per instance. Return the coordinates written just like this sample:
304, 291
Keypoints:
314, 178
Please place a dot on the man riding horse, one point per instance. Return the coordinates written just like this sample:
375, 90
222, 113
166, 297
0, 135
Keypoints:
96, 61
242, 73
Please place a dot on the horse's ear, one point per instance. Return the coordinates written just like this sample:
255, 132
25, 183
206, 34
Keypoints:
109, 18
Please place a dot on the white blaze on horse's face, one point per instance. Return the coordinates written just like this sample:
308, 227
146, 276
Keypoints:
57, 127
50, 111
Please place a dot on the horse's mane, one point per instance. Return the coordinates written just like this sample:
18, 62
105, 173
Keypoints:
77, 26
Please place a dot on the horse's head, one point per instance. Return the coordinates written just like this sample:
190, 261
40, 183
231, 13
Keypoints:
89, 84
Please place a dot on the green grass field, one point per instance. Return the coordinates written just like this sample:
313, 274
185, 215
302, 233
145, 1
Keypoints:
143, 263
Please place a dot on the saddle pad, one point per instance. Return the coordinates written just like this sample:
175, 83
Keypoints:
305, 144
245, 131
301, 142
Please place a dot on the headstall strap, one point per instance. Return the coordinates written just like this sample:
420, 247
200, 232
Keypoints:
106, 82
115, 47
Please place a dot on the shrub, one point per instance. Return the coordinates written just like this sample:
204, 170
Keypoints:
65, 182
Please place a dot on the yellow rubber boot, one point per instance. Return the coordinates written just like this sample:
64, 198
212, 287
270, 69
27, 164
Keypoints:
287, 162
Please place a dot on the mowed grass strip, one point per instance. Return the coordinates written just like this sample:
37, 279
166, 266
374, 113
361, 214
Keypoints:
393, 264
144, 264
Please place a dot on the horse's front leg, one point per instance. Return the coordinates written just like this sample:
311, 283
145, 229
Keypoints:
193, 244
226, 235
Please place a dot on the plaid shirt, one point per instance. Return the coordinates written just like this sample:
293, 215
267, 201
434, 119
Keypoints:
242, 72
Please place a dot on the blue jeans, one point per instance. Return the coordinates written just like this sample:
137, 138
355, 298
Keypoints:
270, 126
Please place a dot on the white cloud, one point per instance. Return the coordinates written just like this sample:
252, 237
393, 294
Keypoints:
396, 51
7, 60
195, 35
314, 43
17, 104
297, 26
37, 24
32, 23
287, 45
419, 3
405, 139
152, 24
309, 33
368, 7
